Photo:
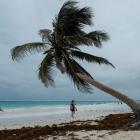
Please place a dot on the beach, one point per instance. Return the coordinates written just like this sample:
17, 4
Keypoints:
69, 70
47, 122
42, 113
100, 135
109, 128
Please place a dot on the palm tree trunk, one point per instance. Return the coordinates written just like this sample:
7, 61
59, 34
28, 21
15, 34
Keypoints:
130, 102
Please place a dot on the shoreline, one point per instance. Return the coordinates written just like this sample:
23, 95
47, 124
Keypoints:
48, 115
97, 121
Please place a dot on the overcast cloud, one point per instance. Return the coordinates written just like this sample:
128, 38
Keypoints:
20, 21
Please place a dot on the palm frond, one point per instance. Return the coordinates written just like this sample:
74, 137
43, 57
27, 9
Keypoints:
90, 58
45, 34
77, 40
97, 37
71, 47
81, 69
60, 65
72, 69
45, 70
93, 38
51, 50
68, 4
21, 51
85, 16
71, 19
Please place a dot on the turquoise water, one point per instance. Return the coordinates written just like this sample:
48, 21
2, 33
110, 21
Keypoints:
26, 104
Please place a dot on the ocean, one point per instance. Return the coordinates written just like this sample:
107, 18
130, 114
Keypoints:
27, 104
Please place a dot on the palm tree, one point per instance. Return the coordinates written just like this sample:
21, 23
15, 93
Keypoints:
61, 47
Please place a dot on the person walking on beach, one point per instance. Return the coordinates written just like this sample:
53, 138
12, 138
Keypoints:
73, 108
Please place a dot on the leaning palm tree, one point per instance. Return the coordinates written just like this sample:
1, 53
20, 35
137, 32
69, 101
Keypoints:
61, 49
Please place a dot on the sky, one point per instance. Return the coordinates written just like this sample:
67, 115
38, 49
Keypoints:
20, 21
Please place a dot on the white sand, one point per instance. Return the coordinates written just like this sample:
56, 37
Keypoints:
100, 135
108, 135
